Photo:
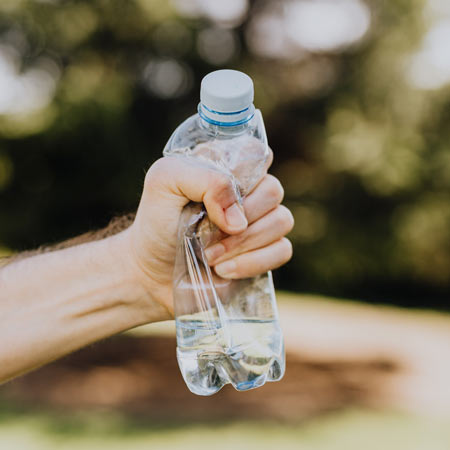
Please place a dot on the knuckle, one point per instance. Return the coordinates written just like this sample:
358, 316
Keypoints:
235, 243
222, 188
228, 244
284, 219
286, 249
289, 221
154, 171
275, 189
221, 182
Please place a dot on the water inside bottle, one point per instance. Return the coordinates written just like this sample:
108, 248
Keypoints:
245, 352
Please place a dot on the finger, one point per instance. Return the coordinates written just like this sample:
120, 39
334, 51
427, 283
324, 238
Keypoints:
179, 181
266, 196
270, 228
257, 261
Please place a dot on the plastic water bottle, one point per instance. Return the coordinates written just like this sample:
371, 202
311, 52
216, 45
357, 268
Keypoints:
227, 330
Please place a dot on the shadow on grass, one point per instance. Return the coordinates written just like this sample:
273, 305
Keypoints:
133, 383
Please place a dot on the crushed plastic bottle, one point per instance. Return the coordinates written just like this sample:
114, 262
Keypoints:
227, 330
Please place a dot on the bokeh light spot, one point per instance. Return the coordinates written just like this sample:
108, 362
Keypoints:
266, 35
326, 25
429, 68
167, 78
229, 13
27, 92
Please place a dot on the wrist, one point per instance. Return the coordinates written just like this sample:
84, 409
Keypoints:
142, 291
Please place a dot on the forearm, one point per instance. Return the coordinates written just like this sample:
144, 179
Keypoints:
54, 303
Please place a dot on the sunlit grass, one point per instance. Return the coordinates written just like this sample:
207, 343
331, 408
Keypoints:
345, 430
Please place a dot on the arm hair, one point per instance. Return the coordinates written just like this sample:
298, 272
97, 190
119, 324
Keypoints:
116, 225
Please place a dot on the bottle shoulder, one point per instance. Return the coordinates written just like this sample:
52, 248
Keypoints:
194, 131
188, 134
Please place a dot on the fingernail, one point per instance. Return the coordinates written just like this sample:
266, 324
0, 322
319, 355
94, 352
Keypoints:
226, 268
235, 217
214, 251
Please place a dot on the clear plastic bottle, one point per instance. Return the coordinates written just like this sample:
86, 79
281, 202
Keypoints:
227, 330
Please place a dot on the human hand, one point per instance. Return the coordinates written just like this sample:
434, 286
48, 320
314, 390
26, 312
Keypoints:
254, 239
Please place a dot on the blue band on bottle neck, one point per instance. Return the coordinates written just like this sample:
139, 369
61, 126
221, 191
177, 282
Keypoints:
203, 106
242, 116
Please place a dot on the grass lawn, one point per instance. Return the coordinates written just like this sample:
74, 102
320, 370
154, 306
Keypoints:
344, 430
362, 428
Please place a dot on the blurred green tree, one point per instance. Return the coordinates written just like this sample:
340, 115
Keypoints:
355, 95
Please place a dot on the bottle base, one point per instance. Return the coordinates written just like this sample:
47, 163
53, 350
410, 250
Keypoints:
206, 377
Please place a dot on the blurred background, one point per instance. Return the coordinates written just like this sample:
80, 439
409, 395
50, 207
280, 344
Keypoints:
356, 100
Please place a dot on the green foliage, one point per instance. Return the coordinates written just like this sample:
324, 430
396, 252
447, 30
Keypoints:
364, 154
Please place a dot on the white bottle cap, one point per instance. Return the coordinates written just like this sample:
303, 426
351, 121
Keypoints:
226, 98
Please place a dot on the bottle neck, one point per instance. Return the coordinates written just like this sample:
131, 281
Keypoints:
226, 119
217, 131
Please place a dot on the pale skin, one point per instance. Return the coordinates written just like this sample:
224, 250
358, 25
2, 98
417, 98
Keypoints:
56, 302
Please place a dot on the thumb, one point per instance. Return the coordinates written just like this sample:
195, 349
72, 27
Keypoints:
188, 181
